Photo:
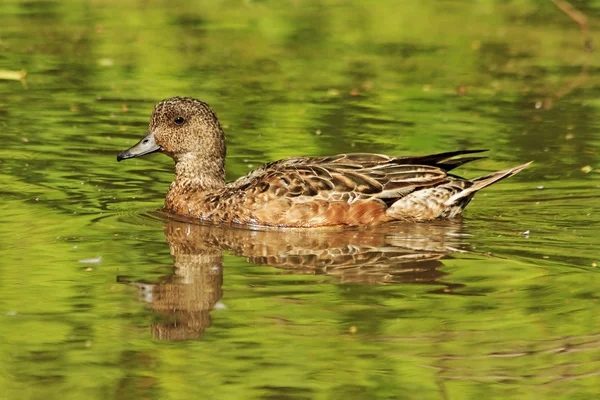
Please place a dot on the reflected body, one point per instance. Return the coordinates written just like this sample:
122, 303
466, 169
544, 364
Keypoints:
389, 254
346, 189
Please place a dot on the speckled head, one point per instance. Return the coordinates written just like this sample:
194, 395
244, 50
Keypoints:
181, 126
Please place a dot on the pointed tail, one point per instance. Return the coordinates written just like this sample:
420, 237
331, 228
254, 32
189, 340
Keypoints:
484, 181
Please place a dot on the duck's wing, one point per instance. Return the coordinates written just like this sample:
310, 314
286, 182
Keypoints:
445, 161
347, 177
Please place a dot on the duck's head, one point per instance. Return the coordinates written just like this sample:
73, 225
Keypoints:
181, 126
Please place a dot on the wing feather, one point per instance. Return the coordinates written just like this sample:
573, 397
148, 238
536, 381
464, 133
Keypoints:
351, 176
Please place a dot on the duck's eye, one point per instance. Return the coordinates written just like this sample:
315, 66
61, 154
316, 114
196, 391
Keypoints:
179, 120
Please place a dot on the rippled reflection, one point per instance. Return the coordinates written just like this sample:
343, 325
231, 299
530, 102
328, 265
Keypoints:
389, 254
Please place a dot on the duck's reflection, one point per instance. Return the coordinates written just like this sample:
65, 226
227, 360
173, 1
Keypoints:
394, 253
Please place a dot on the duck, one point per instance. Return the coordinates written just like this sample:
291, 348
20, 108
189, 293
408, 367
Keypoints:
356, 189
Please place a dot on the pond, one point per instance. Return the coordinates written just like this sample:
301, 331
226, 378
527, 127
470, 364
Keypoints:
103, 295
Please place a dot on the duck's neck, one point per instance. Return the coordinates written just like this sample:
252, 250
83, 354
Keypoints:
195, 172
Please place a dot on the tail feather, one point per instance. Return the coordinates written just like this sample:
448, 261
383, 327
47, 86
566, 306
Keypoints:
440, 160
449, 165
484, 181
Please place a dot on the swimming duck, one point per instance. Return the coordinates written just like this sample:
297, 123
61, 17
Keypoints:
345, 189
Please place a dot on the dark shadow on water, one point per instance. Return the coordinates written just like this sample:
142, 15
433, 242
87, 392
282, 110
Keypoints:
389, 254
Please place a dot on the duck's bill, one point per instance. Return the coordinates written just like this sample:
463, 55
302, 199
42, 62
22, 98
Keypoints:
145, 146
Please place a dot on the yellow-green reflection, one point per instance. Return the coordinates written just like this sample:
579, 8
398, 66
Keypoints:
297, 78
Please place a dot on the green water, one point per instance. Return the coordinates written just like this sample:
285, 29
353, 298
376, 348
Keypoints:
103, 297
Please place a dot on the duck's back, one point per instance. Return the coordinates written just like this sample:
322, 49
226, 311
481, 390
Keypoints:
346, 189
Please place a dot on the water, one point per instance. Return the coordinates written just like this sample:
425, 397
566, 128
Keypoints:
103, 296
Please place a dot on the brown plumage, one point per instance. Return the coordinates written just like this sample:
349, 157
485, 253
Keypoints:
346, 189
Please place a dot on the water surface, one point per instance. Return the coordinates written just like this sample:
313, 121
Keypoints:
103, 296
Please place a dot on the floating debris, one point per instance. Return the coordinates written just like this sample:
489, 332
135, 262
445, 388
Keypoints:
96, 260
12, 75
106, 62
587, 169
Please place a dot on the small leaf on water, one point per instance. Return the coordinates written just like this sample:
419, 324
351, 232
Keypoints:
12, 75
